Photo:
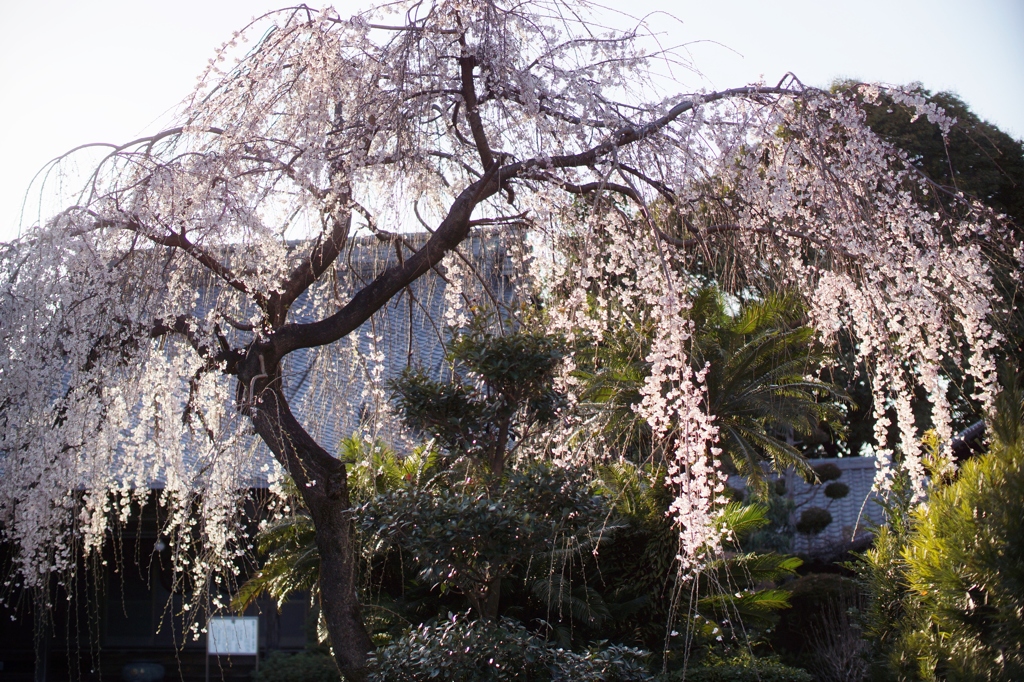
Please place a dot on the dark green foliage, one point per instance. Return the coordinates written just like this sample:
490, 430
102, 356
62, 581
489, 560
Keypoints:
836, 490
758, 385
457, 649
966, 562
486, 513
735, 592
976, 158
777, 534
732, 590
819, 603
473, 523
500, 389
461, 537
827, 472
312, 665
882, 570
516, 367
291, 561
745, 668
376, 469
813, 520
984, 163
732, 598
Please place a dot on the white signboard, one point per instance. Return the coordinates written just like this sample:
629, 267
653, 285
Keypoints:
238, 636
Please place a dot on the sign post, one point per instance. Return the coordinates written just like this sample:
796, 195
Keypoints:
231, 635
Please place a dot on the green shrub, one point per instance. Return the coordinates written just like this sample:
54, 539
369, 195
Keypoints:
965, 562
813, 521
808, 597
836, 490
312, 665
946, 579
746, 669
777, 535
457, 649
821, 627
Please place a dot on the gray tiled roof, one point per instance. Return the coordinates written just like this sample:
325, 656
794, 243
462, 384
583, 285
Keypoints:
852, 516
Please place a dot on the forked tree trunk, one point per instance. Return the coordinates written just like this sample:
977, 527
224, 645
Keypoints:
320, 477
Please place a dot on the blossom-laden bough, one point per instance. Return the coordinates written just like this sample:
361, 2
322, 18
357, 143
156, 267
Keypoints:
148, 325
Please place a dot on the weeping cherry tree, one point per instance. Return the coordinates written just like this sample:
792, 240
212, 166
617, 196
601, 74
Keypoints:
147, 327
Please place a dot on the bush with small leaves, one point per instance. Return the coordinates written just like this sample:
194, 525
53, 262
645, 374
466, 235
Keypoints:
820, 602
836, 490
312, 665
813, 521
464, 538
457, 649
746, 668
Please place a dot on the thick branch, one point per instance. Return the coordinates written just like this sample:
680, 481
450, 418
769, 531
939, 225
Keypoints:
597, 187
449, 234
466, 64
185, 325
630, 134
713, 229
322, 256
180, 241
455, 227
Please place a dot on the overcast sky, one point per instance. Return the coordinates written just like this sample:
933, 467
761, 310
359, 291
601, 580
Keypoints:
74, 71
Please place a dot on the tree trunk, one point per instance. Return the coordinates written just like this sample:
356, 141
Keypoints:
484, 600
492, 599
323, 484
339, 601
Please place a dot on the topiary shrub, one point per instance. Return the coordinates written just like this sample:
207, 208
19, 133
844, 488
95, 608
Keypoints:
813, 521
457, 649
312, 665
836, 490
828, 472
746, 669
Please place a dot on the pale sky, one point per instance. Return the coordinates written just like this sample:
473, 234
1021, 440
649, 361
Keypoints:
75, 71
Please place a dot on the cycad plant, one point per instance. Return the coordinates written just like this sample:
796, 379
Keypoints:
760, 383
737, 587
761, 361
287, 546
